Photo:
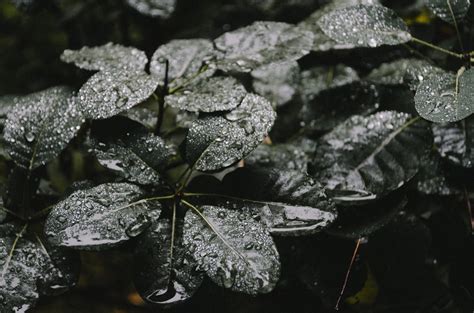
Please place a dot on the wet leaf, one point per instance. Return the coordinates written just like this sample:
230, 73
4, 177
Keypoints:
261, 43
451, 11
7, 103
187, 58
30, 269
211, 95
455, 142
367, 157
446, 98
144, 116
40, 126
110, 92
277, 82
215, 142
404, 71
288, 202
101, 217
280, 156
235, 251
154, 8
106, 57
165, 272
432, 180
365, 26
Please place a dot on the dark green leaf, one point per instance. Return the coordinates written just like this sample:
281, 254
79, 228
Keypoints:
262, 43
446, 97
106, 57
365, 26
40, 126
186, 57
154, 8
101, 217
7, 103
280, 156
371, 156
235, 251
451, 11
211, 95
165, 273
215, 142
110, 92
432, 180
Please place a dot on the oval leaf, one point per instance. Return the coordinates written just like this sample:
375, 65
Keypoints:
40, 126
215, 142
262, 43
365, 26
234, 251
446, 97
101, 217
451, 11
371, 156
110, 92
106, 57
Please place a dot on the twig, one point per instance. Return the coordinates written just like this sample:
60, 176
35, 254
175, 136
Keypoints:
348, 273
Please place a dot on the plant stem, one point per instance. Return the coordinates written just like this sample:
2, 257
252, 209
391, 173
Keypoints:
348, 273
427, 44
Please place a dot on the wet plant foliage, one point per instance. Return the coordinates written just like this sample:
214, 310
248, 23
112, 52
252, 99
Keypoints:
237, 156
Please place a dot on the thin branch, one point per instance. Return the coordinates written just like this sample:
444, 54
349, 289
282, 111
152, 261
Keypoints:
455, 25
427, 44
348, 273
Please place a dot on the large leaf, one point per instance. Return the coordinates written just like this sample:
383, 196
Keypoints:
235, 251
404, 71
367, 157
154, 8
455, 142
211, 95
186, 58
40, 126
279, 156
106, 57
277, 82
101, 217
165, 273
28, 269
110, 92
215, 142
451, 11
262, 43
446, 97
365, 26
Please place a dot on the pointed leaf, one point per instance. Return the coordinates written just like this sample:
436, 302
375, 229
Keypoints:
365, 26
106, 57
215, 142
101, 217
211, 95
186, 58
40, 126
446, 97
371, 156
165, 273
451, 11
262, 43
154, 8
110, 92
235, 251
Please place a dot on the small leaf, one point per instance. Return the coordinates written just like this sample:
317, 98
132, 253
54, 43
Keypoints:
154, 8
367, 157
165, 273
446, 97
277, 82
365, 26
215, 142
455, 142
234, 251
211, 95
186, 57
40, 126
404, 71
280, 156
106, 57
101, 217
261, 43
29, 269
110, 92
451, 11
